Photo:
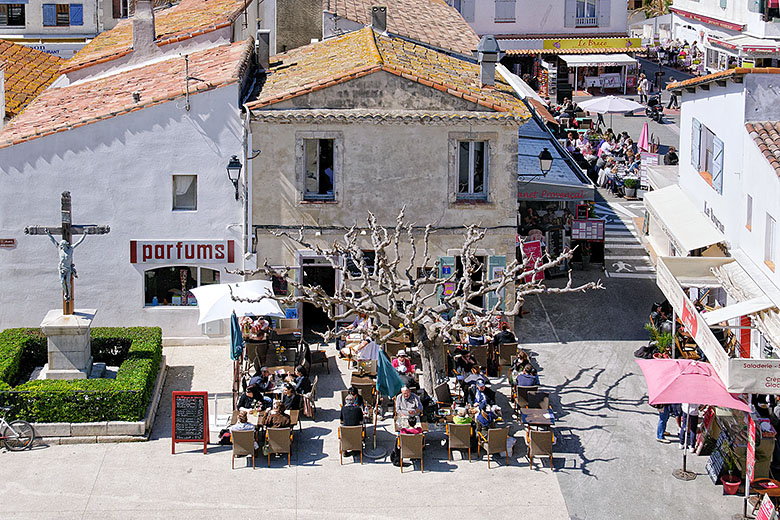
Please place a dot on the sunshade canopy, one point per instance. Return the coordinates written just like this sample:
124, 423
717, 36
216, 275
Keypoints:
215, 301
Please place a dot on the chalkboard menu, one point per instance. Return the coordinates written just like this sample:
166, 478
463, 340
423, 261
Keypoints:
190, 418
717, 460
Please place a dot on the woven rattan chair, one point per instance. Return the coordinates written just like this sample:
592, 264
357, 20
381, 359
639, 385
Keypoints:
412, 448
279, 441
458, 438
243, 444
540, 446
350, 439
495, 442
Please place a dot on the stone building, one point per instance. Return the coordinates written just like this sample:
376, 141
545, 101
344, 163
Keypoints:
372, 122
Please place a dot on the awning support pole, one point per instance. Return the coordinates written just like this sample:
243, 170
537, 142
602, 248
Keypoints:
576, 70
625, 79
674, 334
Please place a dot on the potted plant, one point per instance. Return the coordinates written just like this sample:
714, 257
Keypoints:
630, 186
661, 340
731, 479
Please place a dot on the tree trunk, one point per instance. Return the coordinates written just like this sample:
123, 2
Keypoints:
434, 363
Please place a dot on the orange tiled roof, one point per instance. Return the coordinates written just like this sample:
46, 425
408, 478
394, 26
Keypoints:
185, 20
599, 50
61, 109
721, 75
363, 52
767, 137
542, 111
27, 73
433, 22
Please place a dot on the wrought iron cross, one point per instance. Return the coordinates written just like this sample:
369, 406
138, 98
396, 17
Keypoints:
66, 231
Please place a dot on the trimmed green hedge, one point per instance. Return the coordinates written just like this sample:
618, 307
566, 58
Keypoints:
82, 400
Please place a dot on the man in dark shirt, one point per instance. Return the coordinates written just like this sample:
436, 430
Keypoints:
671, 158
263, 383
351, 415
505, 336
250, 398
290, 399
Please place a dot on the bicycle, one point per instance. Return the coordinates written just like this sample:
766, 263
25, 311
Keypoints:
16, 435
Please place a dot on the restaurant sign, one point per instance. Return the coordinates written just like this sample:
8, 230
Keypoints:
7, 243
593, 43
182, 251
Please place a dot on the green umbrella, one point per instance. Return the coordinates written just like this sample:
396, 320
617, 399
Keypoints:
236, 338
388, 382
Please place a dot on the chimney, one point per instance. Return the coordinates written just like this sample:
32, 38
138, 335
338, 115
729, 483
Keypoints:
379, 18
263, 47
143, 29
487, 57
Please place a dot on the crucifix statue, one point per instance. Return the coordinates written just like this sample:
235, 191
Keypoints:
66, 268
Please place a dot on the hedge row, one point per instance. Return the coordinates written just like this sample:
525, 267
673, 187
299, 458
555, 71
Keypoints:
82, 400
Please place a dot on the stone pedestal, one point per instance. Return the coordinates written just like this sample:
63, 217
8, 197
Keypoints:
68, 343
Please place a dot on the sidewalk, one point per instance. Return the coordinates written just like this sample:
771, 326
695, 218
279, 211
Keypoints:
143, 480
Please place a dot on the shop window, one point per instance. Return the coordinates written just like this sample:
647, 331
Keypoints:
707, 155
171, 285
769, 242
472, 169
12, 15
505, 11
369, 258
749, 213
185, 192
319, 163
63, 15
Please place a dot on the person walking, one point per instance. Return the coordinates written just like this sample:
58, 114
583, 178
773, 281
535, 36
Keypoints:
643, 88
690, 422
664, 412
673, 97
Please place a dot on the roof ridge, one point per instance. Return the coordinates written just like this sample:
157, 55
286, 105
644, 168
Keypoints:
375, 47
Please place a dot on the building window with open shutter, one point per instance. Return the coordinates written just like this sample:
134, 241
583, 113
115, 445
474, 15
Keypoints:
769, 242
63, 15
587, 13
505, 11
11, 15
707, 155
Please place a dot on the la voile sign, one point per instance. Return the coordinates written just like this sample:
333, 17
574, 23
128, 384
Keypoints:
182, 251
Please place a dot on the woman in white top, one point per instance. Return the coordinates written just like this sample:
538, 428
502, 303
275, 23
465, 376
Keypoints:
690, 422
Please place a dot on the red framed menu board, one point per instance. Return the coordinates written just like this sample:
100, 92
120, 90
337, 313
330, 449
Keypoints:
588, 229
190, 418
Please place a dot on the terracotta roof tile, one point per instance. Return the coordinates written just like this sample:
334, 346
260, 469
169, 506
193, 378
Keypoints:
432, 22
766, 135
64, 108
363, 52
177, 23
723, 74
27, 73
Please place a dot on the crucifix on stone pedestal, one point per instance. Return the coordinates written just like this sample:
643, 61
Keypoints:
66, 231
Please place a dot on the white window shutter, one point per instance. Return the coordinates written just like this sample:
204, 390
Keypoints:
467, 10
695, 141
717, 165
569, 13
603, 8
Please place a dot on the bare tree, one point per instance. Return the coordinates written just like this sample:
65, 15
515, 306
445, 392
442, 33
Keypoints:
393, 289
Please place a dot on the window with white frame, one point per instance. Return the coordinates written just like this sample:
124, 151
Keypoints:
505, 11
769, 242
185, 192
319, 174
472, 169
587, 13
749, 213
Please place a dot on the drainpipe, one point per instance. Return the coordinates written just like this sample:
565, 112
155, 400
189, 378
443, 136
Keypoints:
247, 185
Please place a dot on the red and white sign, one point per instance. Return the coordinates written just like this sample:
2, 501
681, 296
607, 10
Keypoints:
751, 448
7, 243
766, 510
533, 252
182, 251
591, 229
689, 319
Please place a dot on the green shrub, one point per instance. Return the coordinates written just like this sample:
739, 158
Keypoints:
631, 183
82, 400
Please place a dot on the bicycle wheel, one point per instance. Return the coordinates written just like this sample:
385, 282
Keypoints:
19, 435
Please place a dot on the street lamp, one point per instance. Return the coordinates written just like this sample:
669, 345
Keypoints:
234, 172
545, 161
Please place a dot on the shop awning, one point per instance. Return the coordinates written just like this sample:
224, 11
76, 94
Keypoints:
660, 176
675, 274
598, 60
687, 228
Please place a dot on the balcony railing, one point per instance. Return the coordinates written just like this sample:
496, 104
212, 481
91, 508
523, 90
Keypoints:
587, 21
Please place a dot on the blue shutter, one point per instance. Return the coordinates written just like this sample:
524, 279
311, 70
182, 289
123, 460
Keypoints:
49, 15
76, 14
446, 269
496, 264
717, 165
695, 140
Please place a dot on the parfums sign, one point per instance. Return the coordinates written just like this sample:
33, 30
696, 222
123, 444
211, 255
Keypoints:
182, 251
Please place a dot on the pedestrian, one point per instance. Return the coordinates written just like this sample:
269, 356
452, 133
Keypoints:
664, 412
690, 423
642, 88
673, 97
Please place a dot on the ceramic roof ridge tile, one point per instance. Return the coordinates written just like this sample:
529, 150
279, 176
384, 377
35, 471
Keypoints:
28, 72
766, 135
99, 99
720, 75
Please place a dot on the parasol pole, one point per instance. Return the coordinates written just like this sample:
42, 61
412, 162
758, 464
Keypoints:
684, 474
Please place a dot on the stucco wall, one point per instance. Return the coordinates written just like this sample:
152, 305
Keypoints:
119, 173
297, 23
33, 15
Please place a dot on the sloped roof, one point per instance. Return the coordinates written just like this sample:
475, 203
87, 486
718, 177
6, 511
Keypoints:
185, 20
27, 73
356, 54
721, 75
766, 135
61, 109
433, 22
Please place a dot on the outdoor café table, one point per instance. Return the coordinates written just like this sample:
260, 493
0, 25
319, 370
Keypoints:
254, 417
536, 418
361, 380
766, 486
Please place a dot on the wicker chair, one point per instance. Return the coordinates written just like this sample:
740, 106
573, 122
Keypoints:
506, 351
458, 438
243, 444
540, 446
279, 441
495, 442
350, 439
480, 353
412, 448
521, 396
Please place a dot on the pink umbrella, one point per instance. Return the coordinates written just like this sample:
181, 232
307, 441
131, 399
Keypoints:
671, 381
643, 145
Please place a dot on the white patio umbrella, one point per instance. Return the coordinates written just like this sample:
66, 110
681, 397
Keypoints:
610, 105
215, 302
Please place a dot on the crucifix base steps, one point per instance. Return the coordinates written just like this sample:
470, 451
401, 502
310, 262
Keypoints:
68, 344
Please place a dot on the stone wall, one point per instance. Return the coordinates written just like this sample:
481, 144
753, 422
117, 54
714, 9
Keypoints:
297, 23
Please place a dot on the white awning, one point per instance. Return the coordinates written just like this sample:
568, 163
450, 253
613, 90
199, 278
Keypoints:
598, 60
687, 228
660, 176
738, 309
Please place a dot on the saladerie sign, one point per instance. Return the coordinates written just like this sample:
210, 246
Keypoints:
182, 252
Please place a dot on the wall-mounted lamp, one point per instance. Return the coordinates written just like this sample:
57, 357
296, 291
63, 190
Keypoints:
545, 161
234, 172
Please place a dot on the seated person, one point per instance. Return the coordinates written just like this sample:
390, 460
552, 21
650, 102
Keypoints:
406, 378
251, 399
360, 323
475, 340
367, 350
413, 428
300, 380
351, 413
262, 380
290, 399
671, 158
408, 403
480, 395
486, 417
276, 418
243, 425
402, 358
521, 361
355, 393
504, 336
464, 361
527, 377
462, 417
